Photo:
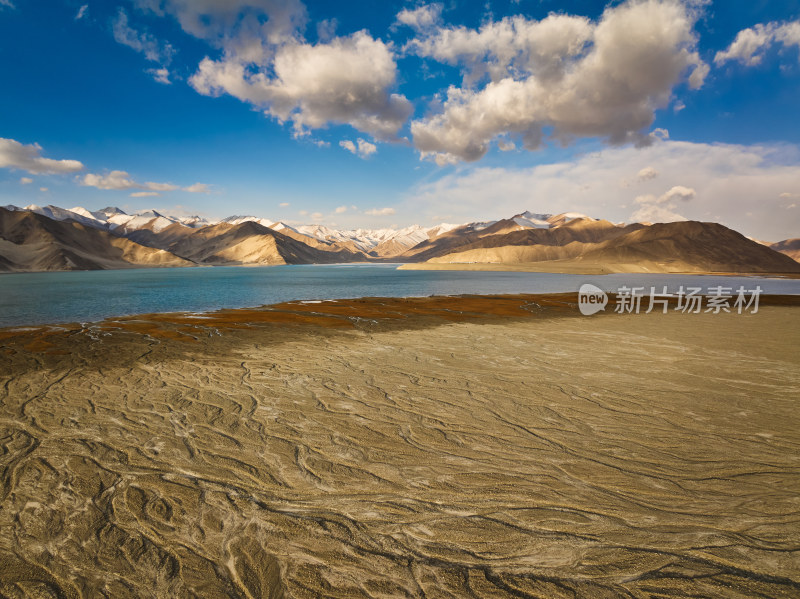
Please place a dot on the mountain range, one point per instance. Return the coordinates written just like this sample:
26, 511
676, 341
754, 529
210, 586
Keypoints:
36, 238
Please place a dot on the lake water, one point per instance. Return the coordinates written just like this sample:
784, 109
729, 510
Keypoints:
87, 296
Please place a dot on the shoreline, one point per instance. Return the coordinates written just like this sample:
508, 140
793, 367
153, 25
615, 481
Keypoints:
575, 268
466, 306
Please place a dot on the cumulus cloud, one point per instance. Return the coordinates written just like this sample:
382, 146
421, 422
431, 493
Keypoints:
578, 78
506, 146
725, 179
246, 29
266, 62
647, 173
656, 213
117, 180
142, 42
145, 194
346, 81
121, 180
380, 212
750, 44
28, 158
662, 208
340, 209
25, 181
361, 148
422, 17
82, 12
160, 75
284, 204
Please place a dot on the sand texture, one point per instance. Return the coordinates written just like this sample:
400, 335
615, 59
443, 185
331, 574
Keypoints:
474, 447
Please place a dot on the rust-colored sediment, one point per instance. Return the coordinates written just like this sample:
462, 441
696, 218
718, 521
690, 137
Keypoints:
328, 314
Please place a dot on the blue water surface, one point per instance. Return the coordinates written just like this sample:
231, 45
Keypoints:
88, 296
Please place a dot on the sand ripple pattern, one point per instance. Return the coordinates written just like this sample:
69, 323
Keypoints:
641, 456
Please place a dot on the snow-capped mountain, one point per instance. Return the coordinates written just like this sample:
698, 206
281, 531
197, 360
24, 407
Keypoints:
375, 242
237, 220
115, 219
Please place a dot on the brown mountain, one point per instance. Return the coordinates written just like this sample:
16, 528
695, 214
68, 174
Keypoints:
565, 241
667, 247
790, 247
250, 243
32, 242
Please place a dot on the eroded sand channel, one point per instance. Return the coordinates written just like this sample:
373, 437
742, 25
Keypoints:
645, 455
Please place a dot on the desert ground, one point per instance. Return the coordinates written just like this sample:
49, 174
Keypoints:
438, 447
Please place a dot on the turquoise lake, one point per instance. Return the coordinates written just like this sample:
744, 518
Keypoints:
87, 296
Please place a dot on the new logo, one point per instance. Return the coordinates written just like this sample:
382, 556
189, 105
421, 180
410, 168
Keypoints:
591, 299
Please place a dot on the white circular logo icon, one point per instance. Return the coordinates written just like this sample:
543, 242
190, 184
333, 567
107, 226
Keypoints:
591, 299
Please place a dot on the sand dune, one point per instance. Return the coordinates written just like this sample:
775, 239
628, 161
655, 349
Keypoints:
388, 448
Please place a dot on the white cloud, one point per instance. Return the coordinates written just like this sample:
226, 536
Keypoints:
25, 181
6, 3
421, 18
506, 146
656, 213
380, 212
246, 29
326, 29
341, 209
581, 79
725, 178
647, 173
114, 180
43, 189
145, 194
361, 148
198, 188
266, 62
160, 186
121, 180
144, 42
662, 208
365, 148
317, 216
284, 204
347, 81
750, 44
28, 158
160, 75
82, 12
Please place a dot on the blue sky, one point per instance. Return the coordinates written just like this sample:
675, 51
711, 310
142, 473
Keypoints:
638, 110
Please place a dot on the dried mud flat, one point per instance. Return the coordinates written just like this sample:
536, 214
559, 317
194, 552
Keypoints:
443, 447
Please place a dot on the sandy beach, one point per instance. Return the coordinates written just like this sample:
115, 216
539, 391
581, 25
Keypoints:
433, 447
